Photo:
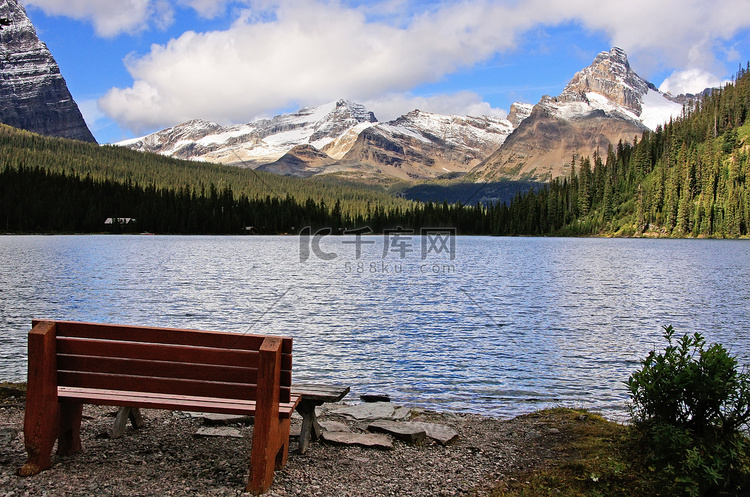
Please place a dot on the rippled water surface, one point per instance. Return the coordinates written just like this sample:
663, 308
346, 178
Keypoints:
506, 326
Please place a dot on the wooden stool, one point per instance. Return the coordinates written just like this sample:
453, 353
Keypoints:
312, 396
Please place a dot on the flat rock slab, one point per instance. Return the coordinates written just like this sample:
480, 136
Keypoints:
370, 440
214, 419
372, 411
334, 426
408, 432
442, 434
219, 431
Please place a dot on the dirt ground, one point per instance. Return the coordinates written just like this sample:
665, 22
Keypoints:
165, 457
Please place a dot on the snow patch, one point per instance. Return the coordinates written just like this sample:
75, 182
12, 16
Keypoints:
658, 109
221, 138
402, 130
130, 142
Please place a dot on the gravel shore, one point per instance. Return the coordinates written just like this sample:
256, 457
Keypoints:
165, 457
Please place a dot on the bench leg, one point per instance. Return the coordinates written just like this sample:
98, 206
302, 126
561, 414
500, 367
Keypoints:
39, 433
121, 420
268, 456
41, 421
69, 437
135, 418
270, 434
283, 454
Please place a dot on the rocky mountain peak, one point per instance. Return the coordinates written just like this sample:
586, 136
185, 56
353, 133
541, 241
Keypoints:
518, 112
344, 115
355, 110
33, 93
192, 130
603, 104
609, 75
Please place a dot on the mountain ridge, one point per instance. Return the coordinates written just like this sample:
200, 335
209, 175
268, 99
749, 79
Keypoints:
415, 145
258, 142
33, 93
604, 103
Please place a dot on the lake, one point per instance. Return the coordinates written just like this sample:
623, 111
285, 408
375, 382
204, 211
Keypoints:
497, 326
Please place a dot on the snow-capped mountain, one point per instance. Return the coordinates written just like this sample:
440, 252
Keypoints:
262, 141
338, 136
602, 104
33, 93
610, 85
416, 145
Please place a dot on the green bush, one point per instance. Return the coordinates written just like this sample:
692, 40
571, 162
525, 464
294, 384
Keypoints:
691, 386
692, 408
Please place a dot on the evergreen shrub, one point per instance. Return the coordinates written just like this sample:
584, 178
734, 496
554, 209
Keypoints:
691, 407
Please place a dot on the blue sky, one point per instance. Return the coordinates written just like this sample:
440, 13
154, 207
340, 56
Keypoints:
137, 66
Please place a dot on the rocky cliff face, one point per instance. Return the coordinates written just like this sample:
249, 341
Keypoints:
544, 144
610, 76
602, 104
519, 112
424, 145
302, 161
33, 93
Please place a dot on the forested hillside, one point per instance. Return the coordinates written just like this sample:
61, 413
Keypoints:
55, 185
688, 178
49, 178
34, 200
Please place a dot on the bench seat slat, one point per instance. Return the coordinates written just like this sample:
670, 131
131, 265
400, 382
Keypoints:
163, 401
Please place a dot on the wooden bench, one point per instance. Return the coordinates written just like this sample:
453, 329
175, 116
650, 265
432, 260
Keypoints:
71, 364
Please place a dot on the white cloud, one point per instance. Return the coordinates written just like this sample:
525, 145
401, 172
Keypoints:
110, 17
114, 17
675, 34
690, 81
206, 8
306, 52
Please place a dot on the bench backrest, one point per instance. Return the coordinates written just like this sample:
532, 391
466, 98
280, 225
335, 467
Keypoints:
164, 360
